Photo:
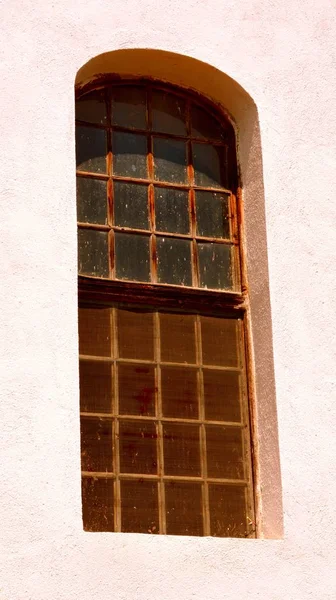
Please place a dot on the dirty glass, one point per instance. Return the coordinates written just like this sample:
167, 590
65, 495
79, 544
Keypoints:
215, 269
139, 506
227, 505
205, 126
209, 165
132, 257
129, 155
98, 504
137, 441
170, 160
91, 200
171, 210
129, 107
174, 261
90, 149
130, 202
93, 253
92, 108
224, 452
168, 113
212, 214
184, 513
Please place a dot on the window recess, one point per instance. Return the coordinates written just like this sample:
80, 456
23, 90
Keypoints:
165, 437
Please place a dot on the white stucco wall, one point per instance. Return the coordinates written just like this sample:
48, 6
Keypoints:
283, 54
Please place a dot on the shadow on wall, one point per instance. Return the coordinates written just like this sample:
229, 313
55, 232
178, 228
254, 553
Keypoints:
236, 103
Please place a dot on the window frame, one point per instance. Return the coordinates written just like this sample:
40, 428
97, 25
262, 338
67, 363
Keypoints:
103, 292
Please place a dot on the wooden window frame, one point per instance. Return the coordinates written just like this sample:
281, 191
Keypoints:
96, 292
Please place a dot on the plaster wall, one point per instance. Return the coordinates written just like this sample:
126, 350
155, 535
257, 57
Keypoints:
283, 55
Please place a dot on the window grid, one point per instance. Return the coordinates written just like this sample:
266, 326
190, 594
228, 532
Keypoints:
190, 186
159, 420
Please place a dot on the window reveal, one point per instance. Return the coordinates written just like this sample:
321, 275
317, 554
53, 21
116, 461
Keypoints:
164, 412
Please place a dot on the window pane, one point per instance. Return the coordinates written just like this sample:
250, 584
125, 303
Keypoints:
224, 452
184, 514
181, 447
137, 389
205, 126
139, 506
179, 392
168, 113
98, 501
95, 386
129, 155
130, 205
91, 200
221, 395
170, 160
208, 165
171, 210
90, 149
92, 108
137, 440
135, 334
129, 107
212, 215
220, 341
94, 331
93, 253
174, 261
178, 342
215, 268
132, 257
96, 444
227, 510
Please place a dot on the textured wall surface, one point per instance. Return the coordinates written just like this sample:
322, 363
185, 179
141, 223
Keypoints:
283, 54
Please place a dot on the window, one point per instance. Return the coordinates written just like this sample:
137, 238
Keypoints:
165, 441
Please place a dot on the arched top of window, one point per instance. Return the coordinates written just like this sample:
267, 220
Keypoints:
156, 183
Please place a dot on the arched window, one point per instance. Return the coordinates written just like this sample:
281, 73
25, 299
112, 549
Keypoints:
164, 406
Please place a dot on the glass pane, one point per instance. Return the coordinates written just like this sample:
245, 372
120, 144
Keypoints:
209, 165
135, 334
98, 501
178, 338
91, 200
132, 257
171, 210
184, 515
205, 126
96, 444
170, 160
215, 268
139, 506
90, 149
130, 205
93, 253
92, 108
174, 261
220, 341
95, 386
94, 331
168, 113
136, 389
129, 155
181, 448
221, 395
137, 440
227, 510
224, 452
212, 215
179, 392
129, 107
